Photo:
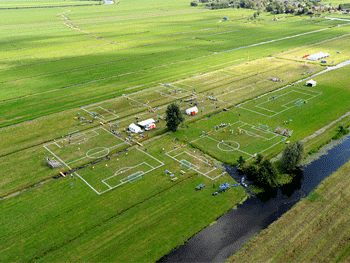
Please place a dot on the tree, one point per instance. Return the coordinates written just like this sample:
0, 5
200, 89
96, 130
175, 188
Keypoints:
251, 171
292, 155
267, 174
258, 159
289, 9
241, 160
173, 116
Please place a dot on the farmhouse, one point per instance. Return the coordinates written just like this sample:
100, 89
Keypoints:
192, 111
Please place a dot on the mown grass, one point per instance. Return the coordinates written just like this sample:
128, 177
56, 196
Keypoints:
51, 218
155, 49
318, 112
144, 220
315, 229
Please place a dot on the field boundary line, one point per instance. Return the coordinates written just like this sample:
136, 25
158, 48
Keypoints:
74, 172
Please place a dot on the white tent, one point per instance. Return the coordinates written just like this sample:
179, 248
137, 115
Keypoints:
317, 56
147, 124
311, 83
134, 128
192, 111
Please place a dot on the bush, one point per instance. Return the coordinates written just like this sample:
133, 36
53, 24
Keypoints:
292, 156
341, 132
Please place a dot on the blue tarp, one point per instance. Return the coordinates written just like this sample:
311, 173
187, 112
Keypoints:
224, 186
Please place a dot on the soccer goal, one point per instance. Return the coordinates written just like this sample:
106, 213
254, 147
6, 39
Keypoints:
132, 178
263, 127
186, 164
299, 102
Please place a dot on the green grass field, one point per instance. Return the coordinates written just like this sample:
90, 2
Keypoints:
123, 63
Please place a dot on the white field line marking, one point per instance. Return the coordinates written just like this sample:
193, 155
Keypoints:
182, 95
221, 128
122, 169
263, 131
69, 133
71, 169
256, 112
151, 157
100, 117
77, 136
97, 134
107, 185
115, 136
292, 102
311, 91
193, 156
211, 178
115, 115
126, 179
210, 171
257, 106
191, 164
138, 102
236, 149
244, 87
271, 146
282, 88
57, 145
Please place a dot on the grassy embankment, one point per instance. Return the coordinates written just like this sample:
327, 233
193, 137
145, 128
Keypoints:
315, 229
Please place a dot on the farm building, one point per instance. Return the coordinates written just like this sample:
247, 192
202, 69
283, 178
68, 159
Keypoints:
147, 124
311, 83
134, 128
192, 111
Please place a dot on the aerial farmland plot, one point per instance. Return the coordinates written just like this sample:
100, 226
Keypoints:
75, 74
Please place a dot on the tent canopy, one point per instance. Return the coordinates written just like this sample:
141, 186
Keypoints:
311, 83
146, 122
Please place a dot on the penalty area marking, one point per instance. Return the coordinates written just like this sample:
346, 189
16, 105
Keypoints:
103, 149
228, 143
135, 103
243, 88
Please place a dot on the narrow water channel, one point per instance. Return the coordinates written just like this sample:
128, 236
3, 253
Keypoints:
218, 242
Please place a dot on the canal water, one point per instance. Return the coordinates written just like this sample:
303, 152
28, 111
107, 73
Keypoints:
218, 242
